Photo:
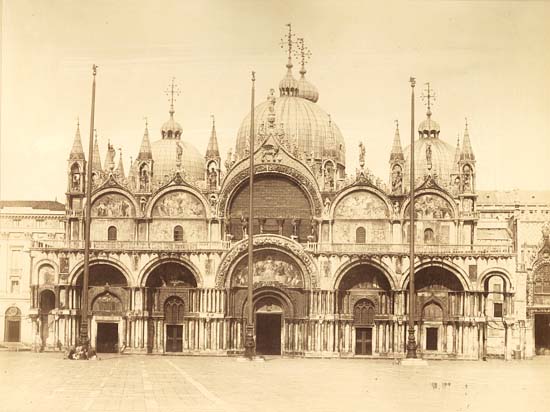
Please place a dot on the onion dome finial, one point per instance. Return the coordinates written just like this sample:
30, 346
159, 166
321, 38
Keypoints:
288, 86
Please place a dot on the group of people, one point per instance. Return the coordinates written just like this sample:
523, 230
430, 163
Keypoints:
81, 352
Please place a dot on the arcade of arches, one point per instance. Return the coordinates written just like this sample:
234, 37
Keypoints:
365, 315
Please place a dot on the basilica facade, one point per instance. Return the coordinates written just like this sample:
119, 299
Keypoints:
169, 244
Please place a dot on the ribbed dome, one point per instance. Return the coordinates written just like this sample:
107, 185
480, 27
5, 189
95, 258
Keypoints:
429, 127
171, 129
442, 161
165, 160
305, 124
288, 85
307, 91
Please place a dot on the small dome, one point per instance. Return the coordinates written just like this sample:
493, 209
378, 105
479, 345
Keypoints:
169, 155
307, 91
288, 86
171, 129
429, 127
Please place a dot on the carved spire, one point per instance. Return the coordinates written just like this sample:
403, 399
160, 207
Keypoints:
120, 168
77, 152
467, 153
96, 162
396, 150
145, 152
457, 153
212, 151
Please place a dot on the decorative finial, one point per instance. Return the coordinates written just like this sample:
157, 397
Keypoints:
253, 76
466, 121
213, 120
427, 97
146, 122
396, 124
412, 81
94, 69
429, 156
170, 92
286, 43
95, 134
329, 120
78, 122
304, 54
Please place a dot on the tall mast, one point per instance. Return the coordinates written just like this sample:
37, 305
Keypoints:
84, 337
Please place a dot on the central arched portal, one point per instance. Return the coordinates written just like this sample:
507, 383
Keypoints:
269, 324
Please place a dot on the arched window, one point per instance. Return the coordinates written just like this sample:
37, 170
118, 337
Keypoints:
428, 236
173, 310
360, 235
178, 234
111, 233
363, 312
432, 311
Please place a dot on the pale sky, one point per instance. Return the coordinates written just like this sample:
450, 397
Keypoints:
488, 61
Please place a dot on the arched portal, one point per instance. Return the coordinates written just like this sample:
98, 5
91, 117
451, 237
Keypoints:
103, 274
12, 327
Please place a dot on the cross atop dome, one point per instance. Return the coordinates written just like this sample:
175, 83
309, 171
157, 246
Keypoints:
303, 53
428, 96
172, 90
287, 42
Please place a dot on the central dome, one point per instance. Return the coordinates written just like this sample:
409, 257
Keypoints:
306, 125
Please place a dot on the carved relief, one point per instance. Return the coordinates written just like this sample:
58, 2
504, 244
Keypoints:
113, 205
46, 275
270, 267
362, 204
179, 204
431, 207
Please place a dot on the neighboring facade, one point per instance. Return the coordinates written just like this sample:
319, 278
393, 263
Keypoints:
169, 245
21, 222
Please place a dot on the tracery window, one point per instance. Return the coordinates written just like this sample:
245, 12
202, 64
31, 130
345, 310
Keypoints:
363, 313
174, 310
432, 311
542, 279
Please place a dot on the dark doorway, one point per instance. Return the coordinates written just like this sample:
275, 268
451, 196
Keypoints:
107, 337
268, 334
363, 341
13, 330
542, 334
431, 338
174, 338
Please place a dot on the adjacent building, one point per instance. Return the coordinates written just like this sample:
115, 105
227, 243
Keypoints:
21, 223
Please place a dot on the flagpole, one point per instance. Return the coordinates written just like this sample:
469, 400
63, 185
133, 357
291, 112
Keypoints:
84, 336
249, 342
411, 341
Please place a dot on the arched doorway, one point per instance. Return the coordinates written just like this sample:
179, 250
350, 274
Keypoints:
12, 329
364, 292
269, 322
47, 304
109, 297
171, 288
441, 305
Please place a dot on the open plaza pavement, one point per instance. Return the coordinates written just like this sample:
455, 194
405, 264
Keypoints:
47, 382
